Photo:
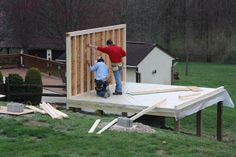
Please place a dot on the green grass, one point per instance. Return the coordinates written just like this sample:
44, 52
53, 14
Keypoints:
40, 136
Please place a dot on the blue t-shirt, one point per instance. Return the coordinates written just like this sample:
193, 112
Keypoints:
101, 70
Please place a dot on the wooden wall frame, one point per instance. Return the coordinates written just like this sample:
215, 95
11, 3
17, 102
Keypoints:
79, 77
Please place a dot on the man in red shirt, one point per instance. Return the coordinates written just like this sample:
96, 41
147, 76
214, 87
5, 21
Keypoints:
115, 53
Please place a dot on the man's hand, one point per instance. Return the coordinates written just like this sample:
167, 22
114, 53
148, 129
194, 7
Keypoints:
92, 46
88, 63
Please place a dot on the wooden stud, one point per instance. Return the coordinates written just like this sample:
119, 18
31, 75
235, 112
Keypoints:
75, 65
199, 123
219, 132
103, 42
93, 59
88, 68
78, 67
68, 65
124, 58
82, 65
72, 67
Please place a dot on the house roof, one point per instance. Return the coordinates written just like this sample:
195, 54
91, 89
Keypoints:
137, 51
34, 43
46, 43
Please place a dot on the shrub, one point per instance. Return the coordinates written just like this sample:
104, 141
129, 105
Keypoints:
16, 79
33, 76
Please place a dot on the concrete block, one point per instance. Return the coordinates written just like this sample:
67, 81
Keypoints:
15, 107
125, 122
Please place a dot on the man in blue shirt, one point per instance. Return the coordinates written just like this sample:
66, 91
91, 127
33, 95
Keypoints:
101, 80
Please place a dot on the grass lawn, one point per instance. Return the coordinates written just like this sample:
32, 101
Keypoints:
38, 135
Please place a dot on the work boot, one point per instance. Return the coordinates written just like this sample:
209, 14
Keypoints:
117, 93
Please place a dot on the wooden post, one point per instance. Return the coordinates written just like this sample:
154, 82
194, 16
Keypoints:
176, 125
199, 123
75, 109
99, 112
8, 89
219, 131
124, 114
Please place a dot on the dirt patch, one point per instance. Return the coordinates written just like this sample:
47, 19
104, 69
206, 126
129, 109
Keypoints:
160, 152
137, 127
36, 123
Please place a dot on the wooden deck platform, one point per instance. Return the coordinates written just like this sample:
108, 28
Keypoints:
174, 107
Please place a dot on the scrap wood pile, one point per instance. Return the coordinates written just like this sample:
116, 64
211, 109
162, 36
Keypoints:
46, 108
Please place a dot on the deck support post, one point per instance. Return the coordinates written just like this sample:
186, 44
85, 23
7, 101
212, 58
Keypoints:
199, 123
176, 125
99, 112
219, 130
124, 114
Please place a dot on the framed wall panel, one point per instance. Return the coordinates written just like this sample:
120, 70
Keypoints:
79, 77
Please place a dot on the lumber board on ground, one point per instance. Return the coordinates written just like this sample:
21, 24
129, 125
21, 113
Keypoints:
57, 111
35, 109
108, 126
47, 109
95, 124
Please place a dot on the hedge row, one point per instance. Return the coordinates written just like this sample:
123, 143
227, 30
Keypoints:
33, 76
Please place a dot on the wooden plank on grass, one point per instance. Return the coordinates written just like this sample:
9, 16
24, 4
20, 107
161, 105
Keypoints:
91, 130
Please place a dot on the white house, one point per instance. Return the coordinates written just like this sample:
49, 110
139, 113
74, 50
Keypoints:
149, 63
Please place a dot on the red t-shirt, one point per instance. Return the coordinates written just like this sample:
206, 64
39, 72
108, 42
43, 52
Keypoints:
115, 53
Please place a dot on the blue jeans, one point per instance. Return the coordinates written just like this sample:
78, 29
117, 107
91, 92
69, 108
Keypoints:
101, 93
117, 75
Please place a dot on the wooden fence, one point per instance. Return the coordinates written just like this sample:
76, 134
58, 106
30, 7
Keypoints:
9, 60
18, 60
50, 67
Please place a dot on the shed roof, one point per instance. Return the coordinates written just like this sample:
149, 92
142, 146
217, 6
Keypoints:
137, 51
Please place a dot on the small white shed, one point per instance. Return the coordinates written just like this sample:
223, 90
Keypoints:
149, 63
